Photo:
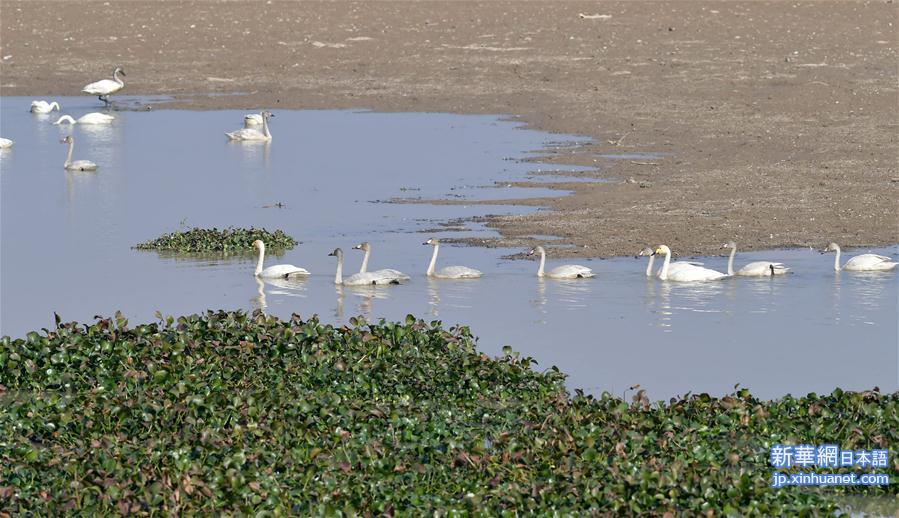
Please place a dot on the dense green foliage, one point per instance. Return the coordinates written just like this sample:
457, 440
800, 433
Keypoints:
215, 240
239, 413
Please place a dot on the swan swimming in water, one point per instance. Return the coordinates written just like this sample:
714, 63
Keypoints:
357, 279
686, 273
43, 106
755, 268
5, 143
253, 133
282, 271
449, 272
385, 276
861, 263
90, 118
77, 165
106, 87
567, 271
252, 119
647, 251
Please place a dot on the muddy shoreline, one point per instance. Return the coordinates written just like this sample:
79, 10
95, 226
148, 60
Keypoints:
778, 120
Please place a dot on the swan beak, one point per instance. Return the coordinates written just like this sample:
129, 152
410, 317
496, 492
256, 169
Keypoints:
331, 254
426, 243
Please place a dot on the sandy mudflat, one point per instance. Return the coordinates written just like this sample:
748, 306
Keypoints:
780, 117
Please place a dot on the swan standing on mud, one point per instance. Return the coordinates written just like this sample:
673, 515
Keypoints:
358, 279
755, 268
385, 275
77, 165
282, 271
253, 133
686, 273
861, 263
43, 106
567, 271
449, 272
106, 87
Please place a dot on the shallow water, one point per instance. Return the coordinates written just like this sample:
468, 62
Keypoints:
66, 241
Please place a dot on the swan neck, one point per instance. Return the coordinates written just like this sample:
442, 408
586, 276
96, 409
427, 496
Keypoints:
364, 267
54, 106
338, 278
836, 260
259, 260
652, 259
542, 263
69, 156
664, 275
433, 262
730, 261
116, 78
265, 126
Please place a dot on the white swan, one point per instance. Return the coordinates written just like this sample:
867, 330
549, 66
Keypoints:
357, 279
43, 106
5, 143
686, 273
449, 272
567, 271
106, 87
647, 251
252, 119
90, 118
77, 165
861, 263
755, 268
385, 276
282, 271
253, 133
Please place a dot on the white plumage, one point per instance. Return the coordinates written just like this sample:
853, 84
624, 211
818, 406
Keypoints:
567, 271
755, 268
863, 262
449, 272
282, 271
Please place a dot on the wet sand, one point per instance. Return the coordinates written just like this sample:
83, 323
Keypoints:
779, 120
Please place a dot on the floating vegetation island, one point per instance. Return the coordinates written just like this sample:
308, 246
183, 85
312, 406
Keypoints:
215, 240
236, 413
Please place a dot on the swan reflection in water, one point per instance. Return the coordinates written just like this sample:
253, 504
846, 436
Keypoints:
694, 297
564, 294
367, 295
457, 293
293, 287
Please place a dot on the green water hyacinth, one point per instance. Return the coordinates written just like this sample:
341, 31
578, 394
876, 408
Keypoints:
215, 240
236, 413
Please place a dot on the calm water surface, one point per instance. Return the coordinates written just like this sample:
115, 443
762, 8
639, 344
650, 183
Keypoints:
66, 241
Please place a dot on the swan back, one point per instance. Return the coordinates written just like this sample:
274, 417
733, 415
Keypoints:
5, 143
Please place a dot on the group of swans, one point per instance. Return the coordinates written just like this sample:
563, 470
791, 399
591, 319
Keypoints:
685, 271
106, 87
248, 132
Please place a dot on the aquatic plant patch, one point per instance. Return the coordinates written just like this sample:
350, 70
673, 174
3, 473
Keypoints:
237, 413
215, 240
